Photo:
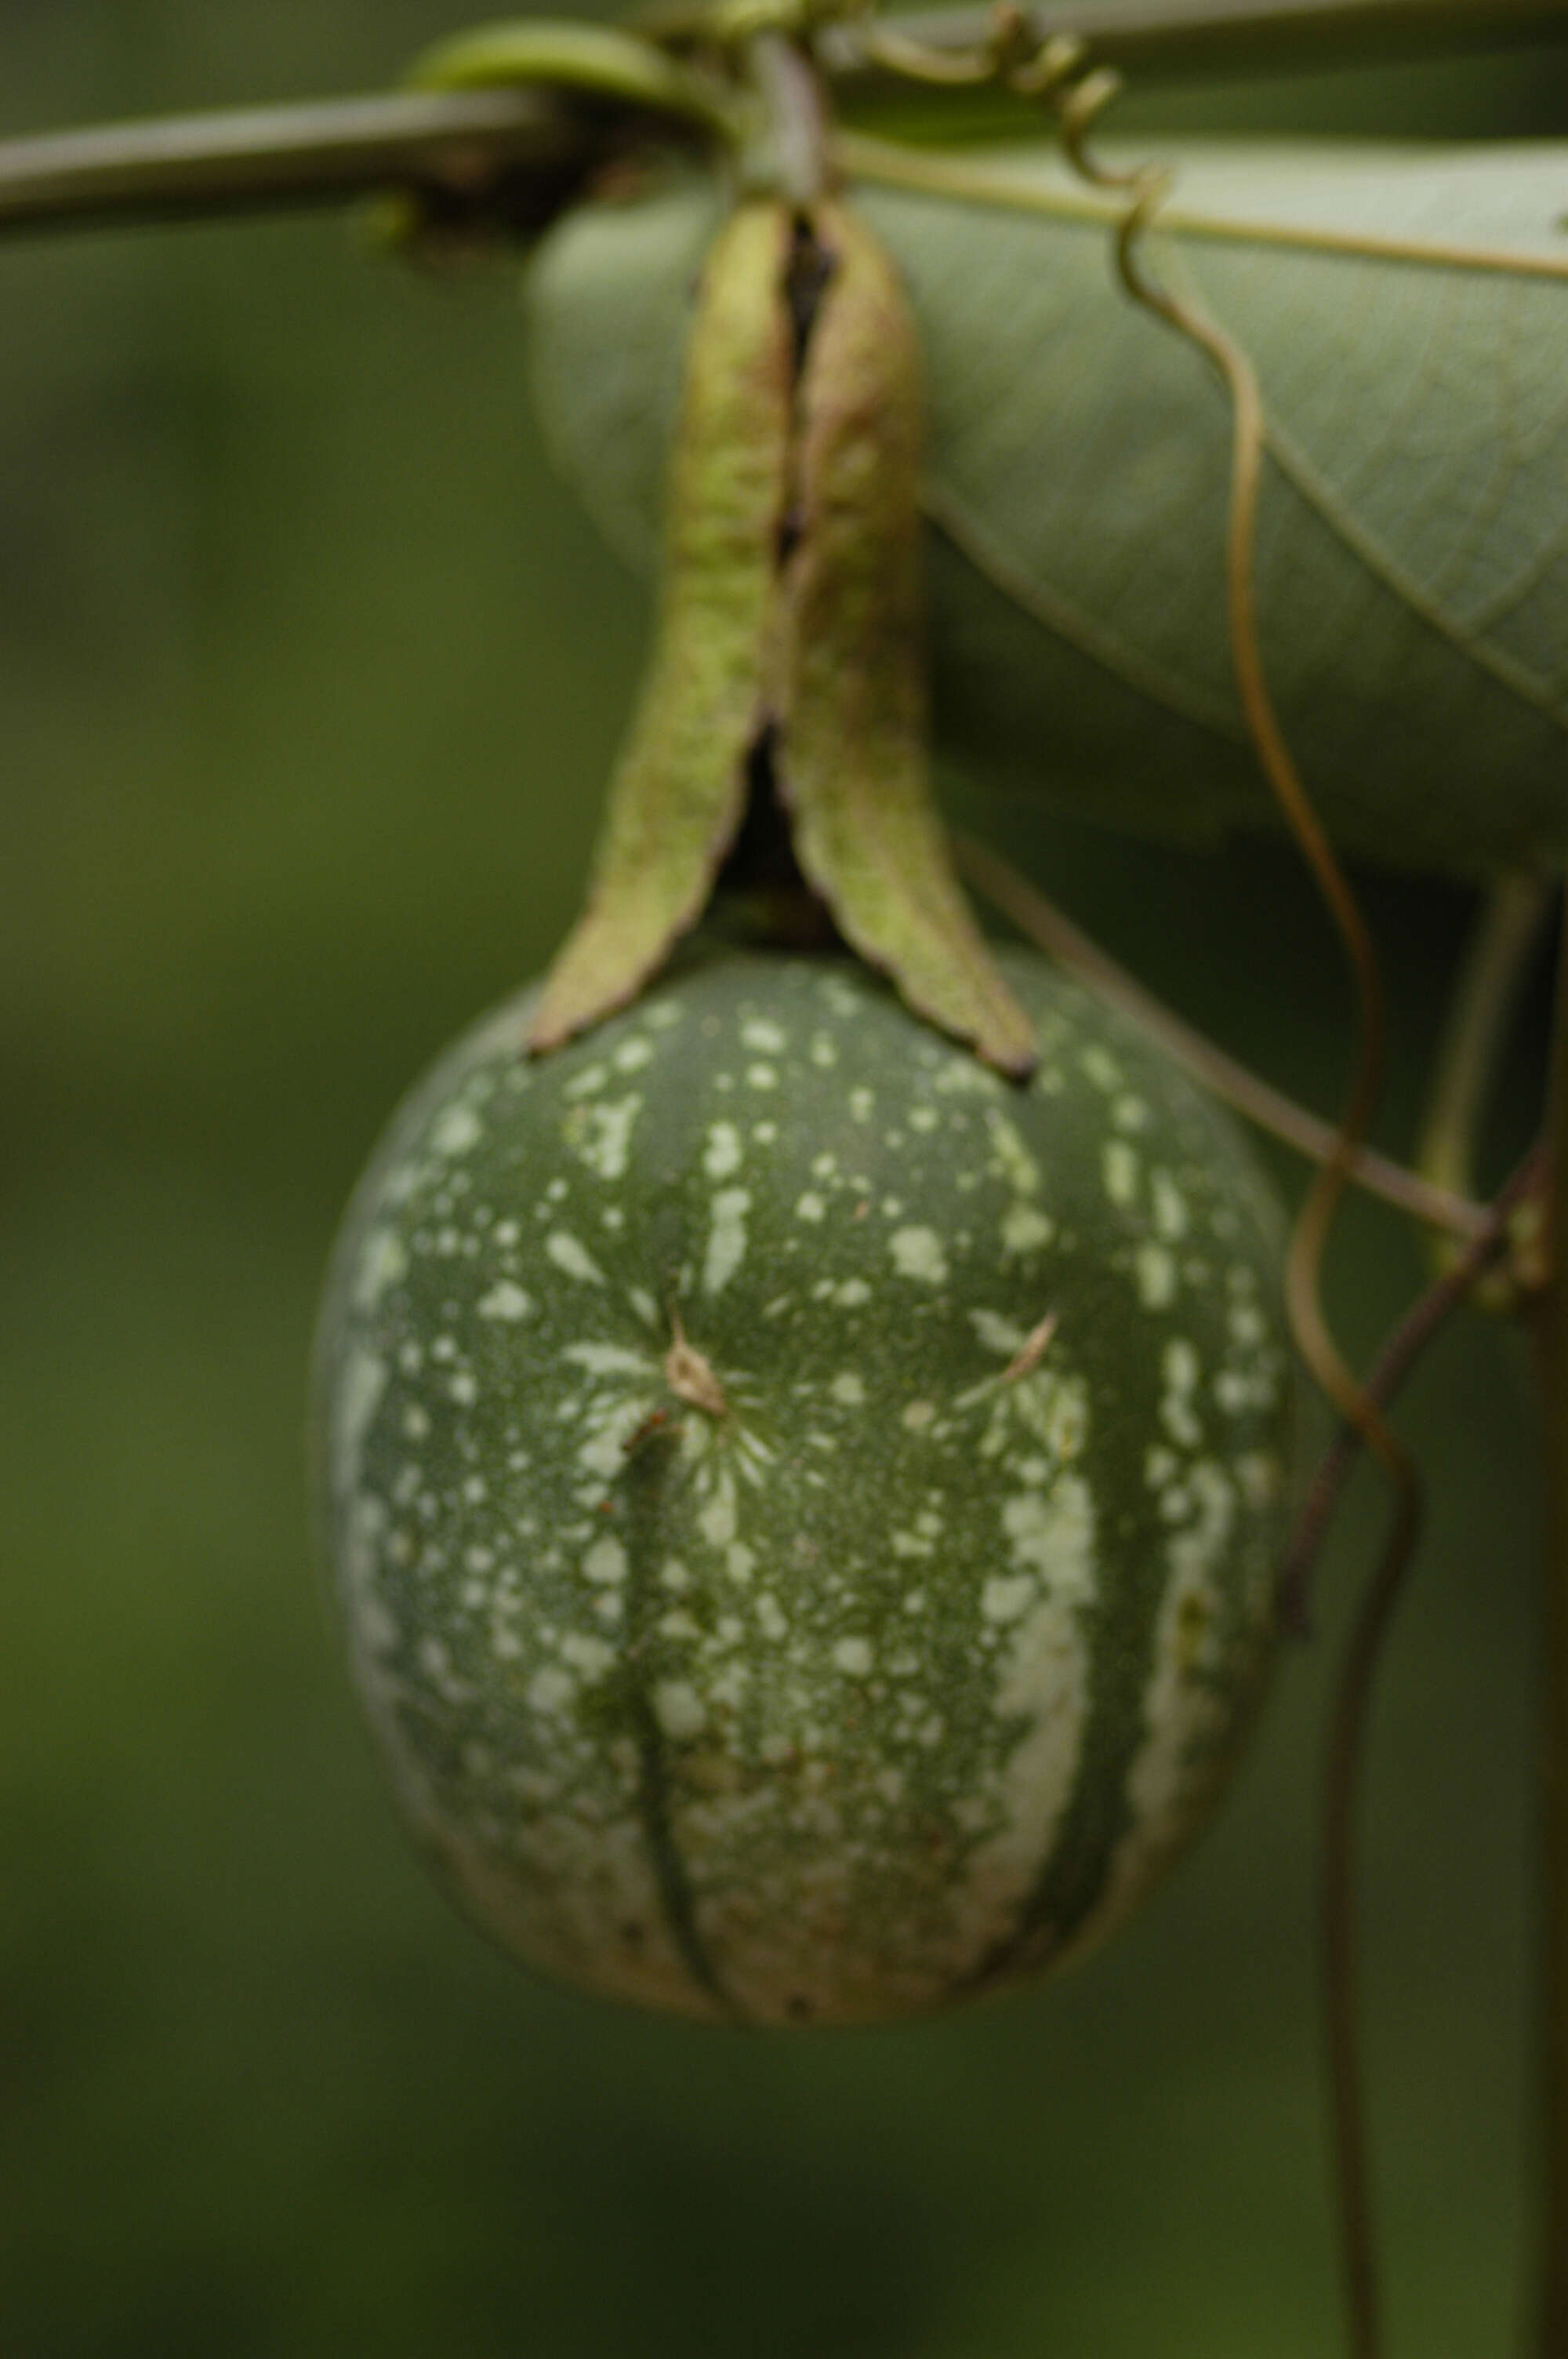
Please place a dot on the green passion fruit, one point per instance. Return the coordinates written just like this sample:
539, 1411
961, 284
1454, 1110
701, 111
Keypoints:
806, 1509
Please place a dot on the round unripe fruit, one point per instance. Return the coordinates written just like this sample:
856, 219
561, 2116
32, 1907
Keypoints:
806, 1509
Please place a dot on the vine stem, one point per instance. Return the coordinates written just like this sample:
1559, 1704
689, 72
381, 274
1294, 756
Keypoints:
1550, 1339
1223, 37
239, 161
1505, 936
521, 114
1497, 1240
276, 158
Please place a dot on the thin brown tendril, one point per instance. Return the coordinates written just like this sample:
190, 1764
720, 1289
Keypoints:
1345, 1747
1495, 1240
1146, 190
1339, 1917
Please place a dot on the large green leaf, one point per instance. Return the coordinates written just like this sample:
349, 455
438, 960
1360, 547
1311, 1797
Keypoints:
1407, 313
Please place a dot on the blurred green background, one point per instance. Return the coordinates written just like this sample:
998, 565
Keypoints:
308, 677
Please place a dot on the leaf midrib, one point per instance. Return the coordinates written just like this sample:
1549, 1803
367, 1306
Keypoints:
887, 165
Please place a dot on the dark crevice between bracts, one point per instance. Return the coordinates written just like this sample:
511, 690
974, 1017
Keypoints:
808, 273
760, 895
764, 896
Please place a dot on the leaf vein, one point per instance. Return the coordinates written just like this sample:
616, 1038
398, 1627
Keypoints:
957, 523
1294, 464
